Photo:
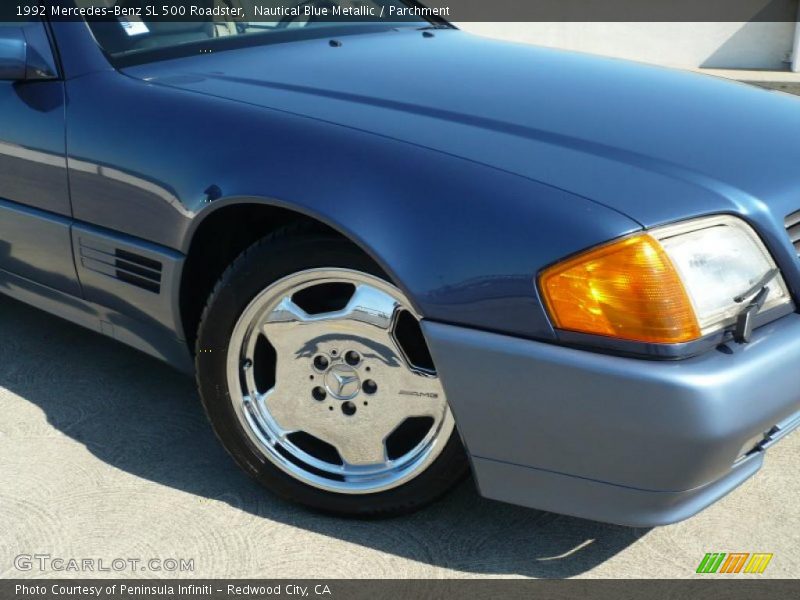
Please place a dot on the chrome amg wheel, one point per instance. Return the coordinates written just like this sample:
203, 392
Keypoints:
316, 377
329, 378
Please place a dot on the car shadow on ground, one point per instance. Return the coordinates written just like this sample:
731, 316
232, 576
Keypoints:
142, 417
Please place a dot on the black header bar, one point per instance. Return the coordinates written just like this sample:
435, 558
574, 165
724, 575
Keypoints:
389, 11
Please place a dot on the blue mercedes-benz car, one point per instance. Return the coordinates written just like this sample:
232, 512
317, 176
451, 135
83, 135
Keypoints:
395, 253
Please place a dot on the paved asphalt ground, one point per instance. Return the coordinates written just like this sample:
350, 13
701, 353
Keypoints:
105, 453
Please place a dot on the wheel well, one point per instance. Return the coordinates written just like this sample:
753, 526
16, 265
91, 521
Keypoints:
219, 239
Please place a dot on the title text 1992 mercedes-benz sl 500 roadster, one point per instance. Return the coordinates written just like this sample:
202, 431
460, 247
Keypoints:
393, 253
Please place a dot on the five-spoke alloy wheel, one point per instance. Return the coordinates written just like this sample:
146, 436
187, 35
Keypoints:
340, 384
316, 376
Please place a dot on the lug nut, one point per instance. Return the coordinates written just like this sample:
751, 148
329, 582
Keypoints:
349, 409
352, 358
369, 387
319, 394
320, 363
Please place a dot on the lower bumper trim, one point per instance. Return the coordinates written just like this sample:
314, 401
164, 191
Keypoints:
599, 501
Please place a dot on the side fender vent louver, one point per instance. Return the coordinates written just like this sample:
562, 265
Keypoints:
124, 265
792, 223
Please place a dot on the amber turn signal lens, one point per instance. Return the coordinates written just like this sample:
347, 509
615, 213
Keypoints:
627, 289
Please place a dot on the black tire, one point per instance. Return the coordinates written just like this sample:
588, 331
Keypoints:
286, 252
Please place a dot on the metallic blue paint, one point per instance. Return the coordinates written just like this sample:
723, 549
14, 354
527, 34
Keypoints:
455, 123
34, 189
650, 150
372, 188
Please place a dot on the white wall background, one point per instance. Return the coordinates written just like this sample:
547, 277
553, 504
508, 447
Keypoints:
710, 45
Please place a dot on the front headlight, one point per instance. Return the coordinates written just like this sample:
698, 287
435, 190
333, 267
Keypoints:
674, 284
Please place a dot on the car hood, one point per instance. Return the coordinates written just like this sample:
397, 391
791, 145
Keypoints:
653, 143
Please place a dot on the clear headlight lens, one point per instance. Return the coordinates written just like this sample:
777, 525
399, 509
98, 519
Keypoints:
718, 259
672, 285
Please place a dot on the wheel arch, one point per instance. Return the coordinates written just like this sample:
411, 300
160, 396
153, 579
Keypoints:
226, 229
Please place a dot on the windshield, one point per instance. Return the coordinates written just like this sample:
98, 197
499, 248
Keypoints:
218, 24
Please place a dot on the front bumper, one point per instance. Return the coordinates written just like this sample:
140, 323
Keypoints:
615, 439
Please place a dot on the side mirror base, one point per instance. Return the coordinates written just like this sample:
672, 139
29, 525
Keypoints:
13, 54
19, 60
